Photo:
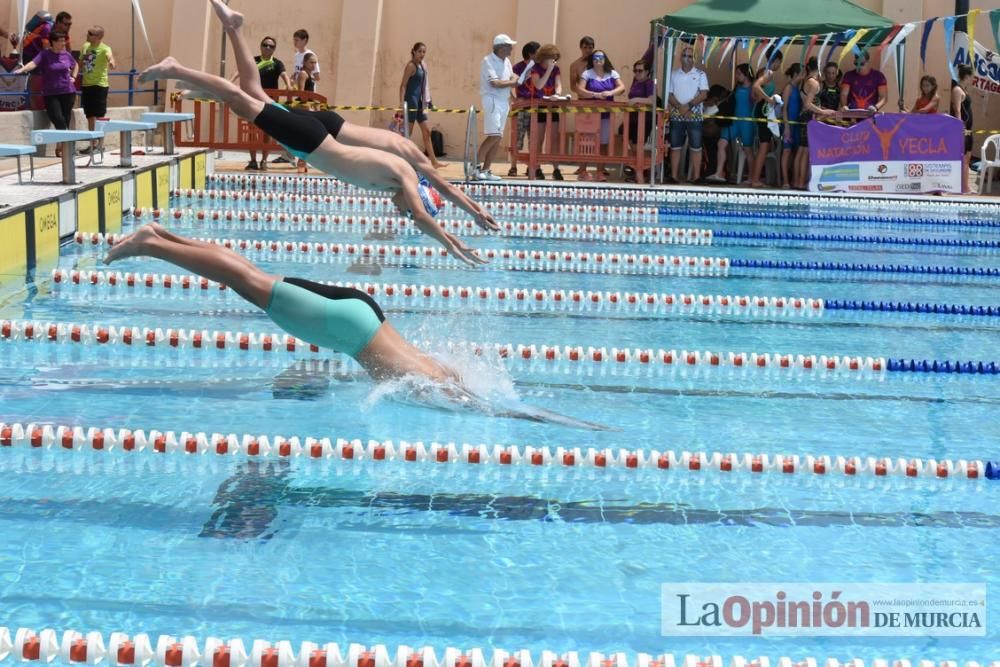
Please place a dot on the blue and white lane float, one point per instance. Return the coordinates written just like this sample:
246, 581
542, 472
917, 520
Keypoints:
523, 259
243, 220
532, 299
27, 645
538, 357
89, 438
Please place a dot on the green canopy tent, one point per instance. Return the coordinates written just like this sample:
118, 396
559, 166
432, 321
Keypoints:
771, 18
768, 18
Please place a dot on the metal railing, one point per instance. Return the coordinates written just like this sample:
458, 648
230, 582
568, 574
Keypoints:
594, 141
131, 91
215, 125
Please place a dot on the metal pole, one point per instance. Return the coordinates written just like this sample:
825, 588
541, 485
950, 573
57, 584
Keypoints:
133, 37
222, 73
656, 130
961, 25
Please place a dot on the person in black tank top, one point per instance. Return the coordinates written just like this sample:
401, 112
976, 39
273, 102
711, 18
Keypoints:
829, 92
304, 77
414, 91
961, 108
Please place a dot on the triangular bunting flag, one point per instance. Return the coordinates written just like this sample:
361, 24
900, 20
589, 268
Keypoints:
822, 48
851, 44
898, 39
808, 51
971, 27
995, 23
923, 41
949, 39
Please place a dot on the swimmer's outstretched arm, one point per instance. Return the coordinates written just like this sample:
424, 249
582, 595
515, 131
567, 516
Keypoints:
409, 199
373, 137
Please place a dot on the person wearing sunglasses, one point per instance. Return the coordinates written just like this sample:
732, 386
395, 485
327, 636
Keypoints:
96, 58
688, 90
272, 72
863, 87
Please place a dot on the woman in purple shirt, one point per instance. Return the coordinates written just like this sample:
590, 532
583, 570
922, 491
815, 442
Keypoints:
599, 81
58, 69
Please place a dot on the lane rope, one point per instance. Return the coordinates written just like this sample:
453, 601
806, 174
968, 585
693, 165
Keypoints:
246, 220
366, 203
550, 299
556, 260
142, 650
505, 258
242, 220
80, 438
496, 297
536, 356
639, 194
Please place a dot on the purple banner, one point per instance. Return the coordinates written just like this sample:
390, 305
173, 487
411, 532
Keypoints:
900, 153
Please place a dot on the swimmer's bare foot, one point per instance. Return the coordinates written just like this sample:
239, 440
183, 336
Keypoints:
132, 245
231, 20
165, 69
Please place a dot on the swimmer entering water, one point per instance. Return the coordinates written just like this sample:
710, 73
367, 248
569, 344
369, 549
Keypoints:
305, 135
337, 318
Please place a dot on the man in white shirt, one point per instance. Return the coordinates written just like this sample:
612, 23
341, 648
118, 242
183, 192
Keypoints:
688, 89
496, 79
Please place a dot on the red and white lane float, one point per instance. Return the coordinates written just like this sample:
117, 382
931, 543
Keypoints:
499, 298
167, 651
79, 438
242, 220
537, 357
436, 256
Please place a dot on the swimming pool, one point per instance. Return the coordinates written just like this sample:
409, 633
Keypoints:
803, 331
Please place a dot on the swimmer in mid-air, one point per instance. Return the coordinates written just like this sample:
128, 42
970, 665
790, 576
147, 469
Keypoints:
337, 318
307, 135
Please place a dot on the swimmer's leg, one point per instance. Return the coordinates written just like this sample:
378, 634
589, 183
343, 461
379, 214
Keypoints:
214, 262
232, 23
163, 233
244, 105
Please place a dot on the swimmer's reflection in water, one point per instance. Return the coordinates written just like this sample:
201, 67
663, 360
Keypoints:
247, 506
335, 318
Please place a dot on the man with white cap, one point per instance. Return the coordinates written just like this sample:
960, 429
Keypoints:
496, 78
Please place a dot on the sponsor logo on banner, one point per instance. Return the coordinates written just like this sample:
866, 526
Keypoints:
985, 63
841, 172
938, 169
908, 187
877, 153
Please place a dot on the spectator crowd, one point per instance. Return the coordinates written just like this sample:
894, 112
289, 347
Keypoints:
711, 133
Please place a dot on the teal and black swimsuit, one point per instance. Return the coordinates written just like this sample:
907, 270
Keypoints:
299, 130
337, 318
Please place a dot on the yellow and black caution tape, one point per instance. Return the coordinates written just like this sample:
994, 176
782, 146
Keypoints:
322, 106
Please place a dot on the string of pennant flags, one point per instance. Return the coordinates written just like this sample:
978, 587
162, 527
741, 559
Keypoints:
853, 40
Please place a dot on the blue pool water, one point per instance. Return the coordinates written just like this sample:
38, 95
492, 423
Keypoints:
510, 557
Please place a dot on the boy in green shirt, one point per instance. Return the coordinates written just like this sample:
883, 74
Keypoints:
95, 61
